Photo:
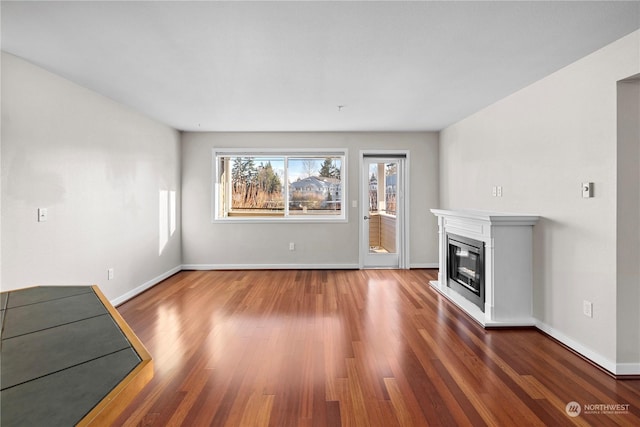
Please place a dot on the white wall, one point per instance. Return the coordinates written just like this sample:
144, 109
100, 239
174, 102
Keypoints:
220, 245
628, 221
540, 144
98, 168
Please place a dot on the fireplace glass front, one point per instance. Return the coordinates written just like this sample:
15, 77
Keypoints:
465, 265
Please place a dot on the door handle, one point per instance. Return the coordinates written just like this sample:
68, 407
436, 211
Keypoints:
366, 217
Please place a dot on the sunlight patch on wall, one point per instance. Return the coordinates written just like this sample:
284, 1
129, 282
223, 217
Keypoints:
166, 218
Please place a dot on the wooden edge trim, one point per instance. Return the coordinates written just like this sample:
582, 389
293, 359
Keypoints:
627, 377
110, 407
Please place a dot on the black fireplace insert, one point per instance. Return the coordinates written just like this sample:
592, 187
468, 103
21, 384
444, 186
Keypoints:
465, 268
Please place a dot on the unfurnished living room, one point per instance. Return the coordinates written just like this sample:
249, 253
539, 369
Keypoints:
320, 213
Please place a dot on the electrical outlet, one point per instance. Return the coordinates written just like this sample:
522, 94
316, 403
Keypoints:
292, 246
110, 273
499, 191
587, 308
494, 191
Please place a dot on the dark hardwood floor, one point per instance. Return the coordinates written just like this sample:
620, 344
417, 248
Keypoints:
350, 348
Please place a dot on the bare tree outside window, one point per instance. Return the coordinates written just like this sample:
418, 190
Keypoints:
309, 167
279, 185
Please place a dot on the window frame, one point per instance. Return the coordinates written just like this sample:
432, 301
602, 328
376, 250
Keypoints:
286, 154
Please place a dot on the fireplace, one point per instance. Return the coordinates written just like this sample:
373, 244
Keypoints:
465, 259
485, 265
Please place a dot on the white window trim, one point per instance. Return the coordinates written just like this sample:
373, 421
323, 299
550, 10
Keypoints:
285, 152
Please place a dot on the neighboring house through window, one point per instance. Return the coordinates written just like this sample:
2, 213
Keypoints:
276, 185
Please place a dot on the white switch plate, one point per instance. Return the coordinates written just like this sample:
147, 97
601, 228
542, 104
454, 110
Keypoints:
499, 191
354, 203
494, 191
587, 308
110, 273
42, 214
292, 246
587, 190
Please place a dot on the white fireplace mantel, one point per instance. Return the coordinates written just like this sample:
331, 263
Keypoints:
508, 240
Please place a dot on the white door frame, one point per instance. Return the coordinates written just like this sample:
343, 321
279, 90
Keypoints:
404, 204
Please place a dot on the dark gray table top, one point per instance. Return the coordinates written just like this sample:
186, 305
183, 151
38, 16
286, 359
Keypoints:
62, 353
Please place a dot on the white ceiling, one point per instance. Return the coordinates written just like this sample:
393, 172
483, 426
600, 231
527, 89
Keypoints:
286, 66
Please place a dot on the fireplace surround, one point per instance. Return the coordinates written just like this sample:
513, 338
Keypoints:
505, 241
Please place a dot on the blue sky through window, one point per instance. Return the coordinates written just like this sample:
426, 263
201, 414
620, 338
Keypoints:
297, 167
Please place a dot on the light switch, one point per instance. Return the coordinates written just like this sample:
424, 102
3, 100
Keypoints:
42, 214
587, 190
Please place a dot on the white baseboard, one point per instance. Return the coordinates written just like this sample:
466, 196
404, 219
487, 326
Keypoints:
593, 356
289, 266
628, 369
132, 293
270, 266
424, 265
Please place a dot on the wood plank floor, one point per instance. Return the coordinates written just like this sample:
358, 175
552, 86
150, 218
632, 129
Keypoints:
350, 348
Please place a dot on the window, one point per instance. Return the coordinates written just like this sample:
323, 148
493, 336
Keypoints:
385, 190
276, 185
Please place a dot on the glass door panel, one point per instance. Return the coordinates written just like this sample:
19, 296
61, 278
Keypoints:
380, 178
